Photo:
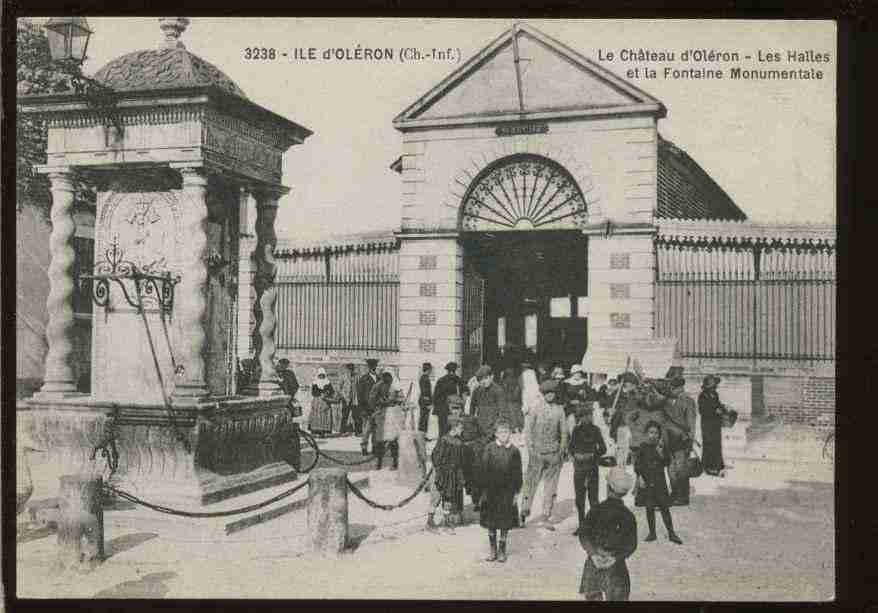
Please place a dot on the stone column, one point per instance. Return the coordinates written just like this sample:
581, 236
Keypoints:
58, 379
191, 294
266, 290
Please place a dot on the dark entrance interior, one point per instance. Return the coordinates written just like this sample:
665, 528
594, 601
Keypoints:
531, 284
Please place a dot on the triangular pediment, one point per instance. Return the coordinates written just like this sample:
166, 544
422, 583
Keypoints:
547, 79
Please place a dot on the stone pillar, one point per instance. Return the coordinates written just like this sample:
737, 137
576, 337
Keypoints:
411, 467
266, 291
621, 285
80, 522
246, 246
190, 299
430, 304
327, 511
59, 378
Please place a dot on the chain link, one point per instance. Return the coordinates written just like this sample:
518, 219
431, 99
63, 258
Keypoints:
389, 507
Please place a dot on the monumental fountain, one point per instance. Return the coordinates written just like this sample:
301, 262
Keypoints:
187, 175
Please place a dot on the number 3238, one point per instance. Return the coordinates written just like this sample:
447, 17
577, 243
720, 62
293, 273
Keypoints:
260, 53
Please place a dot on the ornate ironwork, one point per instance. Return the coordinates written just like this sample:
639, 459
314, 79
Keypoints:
523, 192
150, 284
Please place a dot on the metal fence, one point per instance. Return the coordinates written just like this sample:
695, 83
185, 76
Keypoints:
755, 302
339, 301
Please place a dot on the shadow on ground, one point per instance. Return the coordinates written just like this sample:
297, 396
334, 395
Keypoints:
29, 532
357, 533
126, 542
149, 586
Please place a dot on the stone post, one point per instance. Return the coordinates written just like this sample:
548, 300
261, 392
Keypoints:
80, 522
266, 291
58, 379
327, 511
191, 294
411, 468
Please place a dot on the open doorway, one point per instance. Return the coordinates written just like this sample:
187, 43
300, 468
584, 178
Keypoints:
532, 285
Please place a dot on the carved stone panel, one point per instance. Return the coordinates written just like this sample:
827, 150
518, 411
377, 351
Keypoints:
143, 229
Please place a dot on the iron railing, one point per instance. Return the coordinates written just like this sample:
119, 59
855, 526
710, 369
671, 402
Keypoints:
747, 301
338, 315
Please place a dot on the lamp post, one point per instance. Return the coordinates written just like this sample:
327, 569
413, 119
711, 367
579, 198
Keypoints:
68, 38
68, 42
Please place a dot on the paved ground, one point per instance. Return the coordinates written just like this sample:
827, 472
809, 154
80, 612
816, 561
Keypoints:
764, 533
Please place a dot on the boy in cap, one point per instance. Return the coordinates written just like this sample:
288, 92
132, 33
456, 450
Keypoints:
609, 536
500, 481
546, 435
451, 458
586, 447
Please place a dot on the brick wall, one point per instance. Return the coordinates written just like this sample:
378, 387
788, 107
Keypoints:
806, 401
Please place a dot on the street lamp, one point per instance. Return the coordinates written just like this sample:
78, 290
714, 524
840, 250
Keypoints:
68, 38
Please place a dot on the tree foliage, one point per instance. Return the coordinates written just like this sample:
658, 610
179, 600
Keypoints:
37, 74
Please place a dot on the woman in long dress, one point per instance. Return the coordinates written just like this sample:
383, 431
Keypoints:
711, 410
320, 419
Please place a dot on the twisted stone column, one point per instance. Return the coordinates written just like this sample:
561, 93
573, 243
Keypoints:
266, 291
190, 299
58, 379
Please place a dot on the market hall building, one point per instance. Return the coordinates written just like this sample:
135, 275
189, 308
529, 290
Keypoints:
542, 209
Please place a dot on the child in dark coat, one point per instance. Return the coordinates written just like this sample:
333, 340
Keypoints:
609, 536
586, 447
652, 490
451, 459
499, 473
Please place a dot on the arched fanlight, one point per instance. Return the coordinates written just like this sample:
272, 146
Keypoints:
68, 38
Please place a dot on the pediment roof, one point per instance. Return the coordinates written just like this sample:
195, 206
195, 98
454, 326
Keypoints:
549, 79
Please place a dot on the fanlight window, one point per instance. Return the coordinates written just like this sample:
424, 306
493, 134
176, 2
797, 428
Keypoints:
523, 192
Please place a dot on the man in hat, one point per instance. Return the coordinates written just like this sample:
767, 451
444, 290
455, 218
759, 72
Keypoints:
288, 382
447, 386
382, 396
586, 447
489, 401
425, 396
609, 536
681, 413
545, 431
363, 421
347, 392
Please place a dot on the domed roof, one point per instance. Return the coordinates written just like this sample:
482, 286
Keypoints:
167, 68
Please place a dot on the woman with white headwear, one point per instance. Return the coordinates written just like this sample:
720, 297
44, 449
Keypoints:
530, 391
320, 419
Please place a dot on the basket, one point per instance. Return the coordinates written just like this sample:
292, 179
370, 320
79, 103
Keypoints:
730, 418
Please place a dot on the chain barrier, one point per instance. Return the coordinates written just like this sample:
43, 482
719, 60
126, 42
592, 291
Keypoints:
389, 507
207, 514
203, 514
332, 458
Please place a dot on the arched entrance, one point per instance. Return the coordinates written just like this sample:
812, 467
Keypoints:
525, 264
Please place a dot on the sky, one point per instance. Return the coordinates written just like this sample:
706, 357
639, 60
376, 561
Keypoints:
769, 144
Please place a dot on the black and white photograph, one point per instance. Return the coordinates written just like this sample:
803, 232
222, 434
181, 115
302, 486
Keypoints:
435, 309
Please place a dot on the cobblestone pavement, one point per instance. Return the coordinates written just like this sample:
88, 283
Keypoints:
766, 532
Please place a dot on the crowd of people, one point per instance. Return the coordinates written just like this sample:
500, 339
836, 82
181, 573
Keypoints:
629, 433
